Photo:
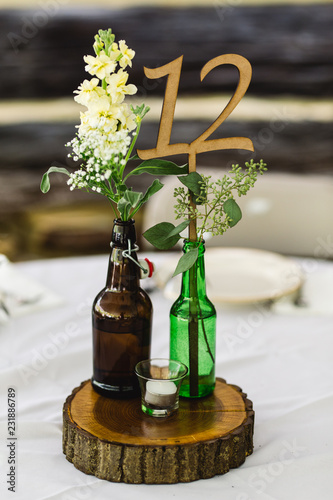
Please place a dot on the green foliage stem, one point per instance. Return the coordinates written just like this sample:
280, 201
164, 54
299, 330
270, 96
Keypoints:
215, 210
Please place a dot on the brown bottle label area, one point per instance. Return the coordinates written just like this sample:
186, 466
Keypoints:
116, 353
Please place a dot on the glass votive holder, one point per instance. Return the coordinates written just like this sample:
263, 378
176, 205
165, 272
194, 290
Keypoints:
160, 381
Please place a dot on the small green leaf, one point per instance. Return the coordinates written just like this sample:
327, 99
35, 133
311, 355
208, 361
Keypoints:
140, 111
158, 235
123, 206
194, 183
133, 197
233, 211
178, 229
45, 183
153, 188
186, 261
165, 235
159, 167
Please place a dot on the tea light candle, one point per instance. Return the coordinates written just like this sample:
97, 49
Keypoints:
160, 393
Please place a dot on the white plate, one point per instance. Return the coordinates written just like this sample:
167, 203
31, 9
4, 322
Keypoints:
239, 276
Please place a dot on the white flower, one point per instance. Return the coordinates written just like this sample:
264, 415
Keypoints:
100, 105
101, 66
127, 117
115, 52
105, 131
88, 92
107, 121
127, 55
85, 126
101, 117
117, 87
106, 118
99, 148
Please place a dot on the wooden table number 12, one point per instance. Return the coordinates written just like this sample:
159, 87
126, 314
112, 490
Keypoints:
202, 143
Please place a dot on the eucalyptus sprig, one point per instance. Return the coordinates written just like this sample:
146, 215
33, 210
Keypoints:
210, 202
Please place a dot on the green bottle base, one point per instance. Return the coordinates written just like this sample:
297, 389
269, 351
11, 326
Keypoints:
203, 391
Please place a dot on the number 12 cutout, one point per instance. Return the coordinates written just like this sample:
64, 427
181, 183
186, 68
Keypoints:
200, 144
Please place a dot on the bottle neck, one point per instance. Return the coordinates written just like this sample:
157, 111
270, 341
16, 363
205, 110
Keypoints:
193, 280
123, 273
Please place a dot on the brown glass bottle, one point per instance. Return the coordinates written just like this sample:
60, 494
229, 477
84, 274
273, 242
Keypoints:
122, 320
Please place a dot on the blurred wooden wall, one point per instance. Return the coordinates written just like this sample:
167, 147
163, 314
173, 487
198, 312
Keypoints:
287, 111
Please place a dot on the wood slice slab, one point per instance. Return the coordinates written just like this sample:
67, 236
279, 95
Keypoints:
114, 440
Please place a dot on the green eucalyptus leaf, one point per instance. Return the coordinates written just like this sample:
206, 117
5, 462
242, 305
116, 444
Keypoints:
194, 183
45, 182
186, 261
159, 167
233, 211
123, 207
159, 235
133, 197
153, 188
178, 229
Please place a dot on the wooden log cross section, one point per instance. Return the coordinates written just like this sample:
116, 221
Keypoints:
116, 441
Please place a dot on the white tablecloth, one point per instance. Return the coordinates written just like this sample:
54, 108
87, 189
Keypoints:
282, 361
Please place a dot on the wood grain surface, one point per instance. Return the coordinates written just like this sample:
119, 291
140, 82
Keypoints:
115, 440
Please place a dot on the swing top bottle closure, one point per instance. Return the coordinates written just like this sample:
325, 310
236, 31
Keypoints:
122, 318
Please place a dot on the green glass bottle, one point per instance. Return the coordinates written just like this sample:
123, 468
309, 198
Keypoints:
193, 329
